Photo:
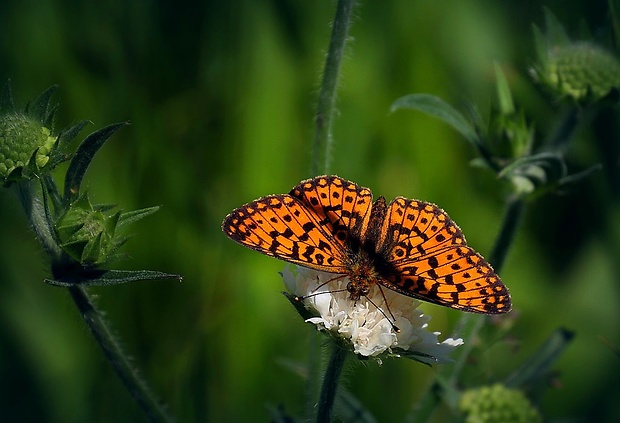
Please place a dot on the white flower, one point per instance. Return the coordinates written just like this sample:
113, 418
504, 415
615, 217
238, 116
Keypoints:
369, 329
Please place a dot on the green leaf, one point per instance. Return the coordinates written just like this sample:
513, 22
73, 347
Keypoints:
438, 108
50, 188
578, 177
540, 46
449, 393
134, 216
299, 306
352, 409
278, 415
504, 97
82, 158
551, 163
554, 31
540, 363
97, 277
40, 108
68, 134
537, 173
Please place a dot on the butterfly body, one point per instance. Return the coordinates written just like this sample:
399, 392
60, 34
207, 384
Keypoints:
330, 224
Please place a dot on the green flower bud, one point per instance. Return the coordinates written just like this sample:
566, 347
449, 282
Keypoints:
497, 404
25, 147
87, 234
581, 70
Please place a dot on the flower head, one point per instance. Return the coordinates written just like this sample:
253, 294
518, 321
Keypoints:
25, 146
498, 404
366, 325
582, 70
29, 147
87, 234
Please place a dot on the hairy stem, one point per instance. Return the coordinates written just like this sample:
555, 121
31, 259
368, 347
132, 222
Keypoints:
330, 384
38, 215
512, 217
323, 137
136, 386
322, 145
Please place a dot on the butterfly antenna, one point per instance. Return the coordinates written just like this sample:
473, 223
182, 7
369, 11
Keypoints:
314, 293
393, 319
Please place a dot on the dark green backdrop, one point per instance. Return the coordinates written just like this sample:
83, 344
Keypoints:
221, 97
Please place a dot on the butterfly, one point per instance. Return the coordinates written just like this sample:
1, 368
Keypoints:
412, 247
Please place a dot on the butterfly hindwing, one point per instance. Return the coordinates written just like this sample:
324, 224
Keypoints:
429, 259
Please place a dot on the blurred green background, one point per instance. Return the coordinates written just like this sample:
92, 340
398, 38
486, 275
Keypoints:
221, 98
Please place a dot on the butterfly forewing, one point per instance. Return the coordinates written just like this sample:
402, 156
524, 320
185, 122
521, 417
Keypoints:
415, 228
280, 226
341, 207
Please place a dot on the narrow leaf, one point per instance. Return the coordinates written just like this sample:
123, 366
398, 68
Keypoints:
352, 409
299, 306
578, 177
48, 119
82, 158
41, 106
50, 187
504, 97
539, 364
134, 216
438, 108
96, 277
45, 189
546, 160
69, 134
541, 48
554, 31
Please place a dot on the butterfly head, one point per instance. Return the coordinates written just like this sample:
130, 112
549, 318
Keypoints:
358, 288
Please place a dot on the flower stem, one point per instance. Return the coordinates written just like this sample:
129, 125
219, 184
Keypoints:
323, 139
512, 217
330, 384
323, 136
136, 386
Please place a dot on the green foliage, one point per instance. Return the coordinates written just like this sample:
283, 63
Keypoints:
221, 100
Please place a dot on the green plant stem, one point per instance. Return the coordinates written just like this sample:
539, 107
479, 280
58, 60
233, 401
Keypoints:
330, 384
469, 325
565, 129
320, 164
128, 374
323, 137
508, 230
37, 215
313, 382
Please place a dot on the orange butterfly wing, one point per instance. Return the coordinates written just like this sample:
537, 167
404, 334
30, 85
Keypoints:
325, 223
428, 258
342, 207
310, 227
